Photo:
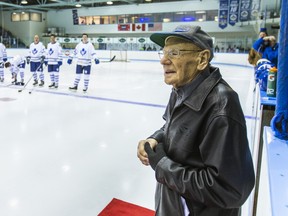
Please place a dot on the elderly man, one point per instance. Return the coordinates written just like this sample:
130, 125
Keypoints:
201, 157
36, 57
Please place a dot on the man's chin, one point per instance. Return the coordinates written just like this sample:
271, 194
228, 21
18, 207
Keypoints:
168, 82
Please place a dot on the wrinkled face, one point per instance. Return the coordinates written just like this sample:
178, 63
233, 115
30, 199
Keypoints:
183, 69
36, 39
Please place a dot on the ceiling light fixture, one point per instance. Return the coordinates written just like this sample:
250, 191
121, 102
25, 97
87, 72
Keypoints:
78, 5
24, 2
109, 3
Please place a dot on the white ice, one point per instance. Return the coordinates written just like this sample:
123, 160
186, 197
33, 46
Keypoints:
66, 153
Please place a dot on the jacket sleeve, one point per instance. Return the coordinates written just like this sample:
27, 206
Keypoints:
158, 135
227, 176
258, 43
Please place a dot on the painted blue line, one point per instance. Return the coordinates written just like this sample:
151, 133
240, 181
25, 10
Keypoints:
117, 100
102, 98
139, 103
107, 99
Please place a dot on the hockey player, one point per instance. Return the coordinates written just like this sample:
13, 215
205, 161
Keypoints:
17, 66
36, 57
84, 51
54, 60
3, 59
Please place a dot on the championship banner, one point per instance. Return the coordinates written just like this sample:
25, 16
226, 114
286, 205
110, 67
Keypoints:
223, 13
244, 13
75, 17
233, 11
255, 6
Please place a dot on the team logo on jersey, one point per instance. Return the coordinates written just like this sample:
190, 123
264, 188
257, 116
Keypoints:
34, 51
51, 51
83, 52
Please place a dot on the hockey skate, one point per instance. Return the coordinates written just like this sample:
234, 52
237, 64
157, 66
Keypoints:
41, 83
2, 79
35, 82
14, 82
85, 89
73, 88
52, 85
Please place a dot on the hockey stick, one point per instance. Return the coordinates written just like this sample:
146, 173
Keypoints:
112, 59
24, 87
20, 90
31, 90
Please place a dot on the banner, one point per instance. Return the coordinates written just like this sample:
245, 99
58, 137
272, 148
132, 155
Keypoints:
75, 17
255, 7
233, 11
223, 14
244, 13
154, 26
138, 27
123, 27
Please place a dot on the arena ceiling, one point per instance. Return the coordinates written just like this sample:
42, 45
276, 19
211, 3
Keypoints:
46, 5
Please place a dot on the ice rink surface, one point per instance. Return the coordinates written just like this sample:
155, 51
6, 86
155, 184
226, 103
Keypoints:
65, 153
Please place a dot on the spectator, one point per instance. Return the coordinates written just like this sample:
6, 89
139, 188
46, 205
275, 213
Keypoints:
271, 50
256, 51
201, 156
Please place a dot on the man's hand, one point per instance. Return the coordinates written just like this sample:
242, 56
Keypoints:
28, 58
154, 155
141, 153
42, 59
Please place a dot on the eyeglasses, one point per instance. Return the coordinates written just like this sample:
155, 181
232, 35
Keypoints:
173, 53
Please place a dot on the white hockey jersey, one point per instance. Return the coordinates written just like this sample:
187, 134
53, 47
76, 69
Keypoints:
54, 53
84, 53
15, 63
3, 53
36, 51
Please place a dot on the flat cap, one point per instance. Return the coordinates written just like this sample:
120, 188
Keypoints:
192, 33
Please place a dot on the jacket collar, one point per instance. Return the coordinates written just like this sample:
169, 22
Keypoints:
198, 96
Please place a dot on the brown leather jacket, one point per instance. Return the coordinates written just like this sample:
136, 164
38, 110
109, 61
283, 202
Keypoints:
208, 159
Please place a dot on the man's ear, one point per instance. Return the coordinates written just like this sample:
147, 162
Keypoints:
203, 59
